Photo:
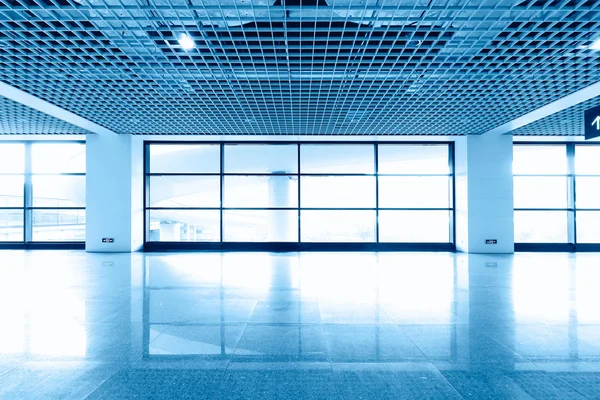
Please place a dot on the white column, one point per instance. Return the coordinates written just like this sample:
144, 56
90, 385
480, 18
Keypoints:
114, 187
484, 194
279, 196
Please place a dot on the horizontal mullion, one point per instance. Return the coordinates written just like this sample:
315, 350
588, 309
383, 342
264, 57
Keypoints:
289, 174
296, 209
183, 174
57, 174
55, 208
544, 176
448, 175
414, 209
309, 142
587, 209
544, 209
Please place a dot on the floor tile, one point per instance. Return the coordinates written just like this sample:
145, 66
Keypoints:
278, 384
264, 341
391, 382
198, 340
370, 343
160, 384
54, 380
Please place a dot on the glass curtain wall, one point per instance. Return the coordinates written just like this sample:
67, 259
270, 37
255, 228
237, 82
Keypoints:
299, 193
557, 194
587, 193
42, 192
541, 200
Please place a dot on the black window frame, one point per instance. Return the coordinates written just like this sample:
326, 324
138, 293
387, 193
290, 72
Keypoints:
572, 245
28, 208
222, 245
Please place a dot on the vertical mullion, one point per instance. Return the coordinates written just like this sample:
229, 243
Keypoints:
299, 190
571, 206
28, 197
452, 188
146, 191
222, 169
376, 149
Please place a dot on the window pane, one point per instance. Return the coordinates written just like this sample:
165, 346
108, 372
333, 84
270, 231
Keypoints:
56, 158
541, 227
588, 226
540, 192
58, 226
413, 159
260, 191
11, 190
185, 158
337, 192
58, 191
12, 158
414, 226
338, 226
587, 192
261, 158
260, 226
11, 225
336, 159
414, 192
587, 159
185, 191
540, 160
184, 225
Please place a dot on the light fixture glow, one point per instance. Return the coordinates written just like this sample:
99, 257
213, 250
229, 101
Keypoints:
595, 45
186, 42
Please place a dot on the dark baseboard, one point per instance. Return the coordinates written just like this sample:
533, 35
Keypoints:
294, 247
43, 246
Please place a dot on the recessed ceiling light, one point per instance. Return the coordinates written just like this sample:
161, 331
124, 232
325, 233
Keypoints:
186, 42
595, 45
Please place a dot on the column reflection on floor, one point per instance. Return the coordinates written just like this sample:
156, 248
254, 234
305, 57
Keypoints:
487, 326
346, 307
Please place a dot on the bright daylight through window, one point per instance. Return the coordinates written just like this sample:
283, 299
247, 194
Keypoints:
299, 193
42, 192
556, 193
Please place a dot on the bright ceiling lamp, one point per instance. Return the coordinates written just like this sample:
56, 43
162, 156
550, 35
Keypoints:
186, 42
595, 45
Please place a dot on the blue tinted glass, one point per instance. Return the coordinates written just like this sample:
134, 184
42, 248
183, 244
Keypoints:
184, 225
58, 226
260, 225
337, 159
337, 226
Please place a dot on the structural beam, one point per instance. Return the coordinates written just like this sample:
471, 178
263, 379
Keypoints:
19, 96
563, 103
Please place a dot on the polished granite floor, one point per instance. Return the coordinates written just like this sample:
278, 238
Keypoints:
306, 326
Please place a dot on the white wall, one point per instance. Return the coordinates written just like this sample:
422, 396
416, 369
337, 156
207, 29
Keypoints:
484, 194
114, 193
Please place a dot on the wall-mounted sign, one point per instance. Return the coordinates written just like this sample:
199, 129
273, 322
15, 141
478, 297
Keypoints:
591, 119
491, 241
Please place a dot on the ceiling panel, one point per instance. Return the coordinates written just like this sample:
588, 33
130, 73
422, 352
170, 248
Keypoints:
568, 122
17, 119
337, 67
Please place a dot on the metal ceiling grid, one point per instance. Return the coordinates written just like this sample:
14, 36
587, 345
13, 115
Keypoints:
568, 122
339, 67
17, 119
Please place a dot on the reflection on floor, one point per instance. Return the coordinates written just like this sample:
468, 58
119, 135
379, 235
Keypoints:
308, 325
